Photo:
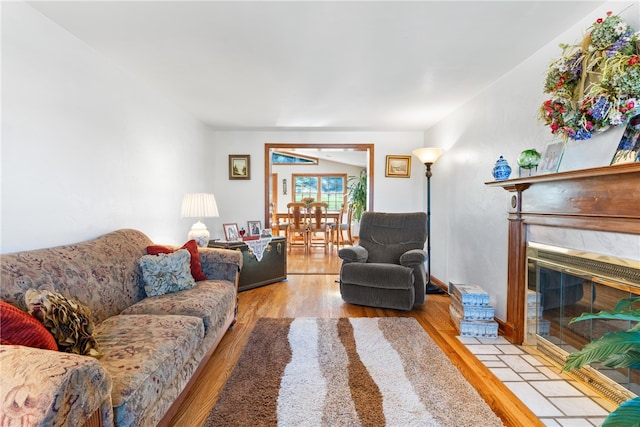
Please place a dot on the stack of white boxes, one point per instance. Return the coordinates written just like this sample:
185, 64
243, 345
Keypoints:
471, 312
534, 315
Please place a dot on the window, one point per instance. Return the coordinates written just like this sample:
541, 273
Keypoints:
331, 189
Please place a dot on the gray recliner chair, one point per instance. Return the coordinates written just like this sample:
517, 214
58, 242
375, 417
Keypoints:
386, 269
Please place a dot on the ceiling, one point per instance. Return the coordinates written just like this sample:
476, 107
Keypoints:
349, 65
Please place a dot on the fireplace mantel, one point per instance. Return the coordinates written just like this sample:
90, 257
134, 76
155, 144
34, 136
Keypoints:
601, 199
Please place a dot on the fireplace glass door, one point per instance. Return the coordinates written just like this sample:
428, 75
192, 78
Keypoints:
561, 286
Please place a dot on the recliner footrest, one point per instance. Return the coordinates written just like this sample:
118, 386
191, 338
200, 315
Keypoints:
377, 275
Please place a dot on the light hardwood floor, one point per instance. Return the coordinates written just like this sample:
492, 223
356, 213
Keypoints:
311, 291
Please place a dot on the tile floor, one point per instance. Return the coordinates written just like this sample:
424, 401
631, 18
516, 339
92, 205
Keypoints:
555, 397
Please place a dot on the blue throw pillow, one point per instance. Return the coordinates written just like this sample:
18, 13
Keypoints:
166, 273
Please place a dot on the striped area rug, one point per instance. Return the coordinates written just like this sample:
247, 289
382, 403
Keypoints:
346, 372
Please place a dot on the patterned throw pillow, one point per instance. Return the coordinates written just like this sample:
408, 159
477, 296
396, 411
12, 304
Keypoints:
192, 247
20, 328
166, 273
68, 321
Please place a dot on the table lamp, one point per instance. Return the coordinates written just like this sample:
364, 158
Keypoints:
199, 205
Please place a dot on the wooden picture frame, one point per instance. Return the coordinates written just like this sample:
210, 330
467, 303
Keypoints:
231, 232
551, 157
398, 167
239, 166
254, 228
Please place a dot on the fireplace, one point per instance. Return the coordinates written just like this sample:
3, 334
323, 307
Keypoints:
549, 217
563, 283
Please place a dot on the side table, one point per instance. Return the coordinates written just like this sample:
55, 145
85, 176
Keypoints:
270, 269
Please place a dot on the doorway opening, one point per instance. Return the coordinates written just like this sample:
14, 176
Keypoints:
271, 184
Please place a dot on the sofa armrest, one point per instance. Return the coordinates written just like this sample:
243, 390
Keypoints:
220, 264
44, 387
353, 254
412, 258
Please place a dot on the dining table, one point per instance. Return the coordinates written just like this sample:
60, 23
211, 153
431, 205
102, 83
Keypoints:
331, 215
332, 218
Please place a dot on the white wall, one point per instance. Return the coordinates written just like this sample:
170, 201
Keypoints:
469, 225
86, 148
240, 201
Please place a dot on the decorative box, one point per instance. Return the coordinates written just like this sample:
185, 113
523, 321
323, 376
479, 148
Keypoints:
271, 268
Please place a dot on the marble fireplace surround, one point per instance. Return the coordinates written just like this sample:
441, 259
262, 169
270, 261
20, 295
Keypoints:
598, 206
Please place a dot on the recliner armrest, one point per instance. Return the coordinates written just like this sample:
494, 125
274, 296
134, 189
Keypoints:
353, 254
413, 258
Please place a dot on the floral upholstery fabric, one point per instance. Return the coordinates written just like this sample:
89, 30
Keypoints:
220, 264
143, 353
49, 388
104, 274
200, 302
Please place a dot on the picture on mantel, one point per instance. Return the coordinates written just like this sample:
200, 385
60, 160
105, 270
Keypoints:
629, 148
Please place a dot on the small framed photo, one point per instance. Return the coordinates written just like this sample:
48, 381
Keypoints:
628, 150
239, 166
254, 227
398, 166
266, 232
551, 157
231, 232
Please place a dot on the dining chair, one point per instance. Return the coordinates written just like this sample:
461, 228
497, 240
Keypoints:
319, 227
277, 225
344, 226
297, 233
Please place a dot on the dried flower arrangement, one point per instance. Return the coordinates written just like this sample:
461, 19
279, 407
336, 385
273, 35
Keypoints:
596, 84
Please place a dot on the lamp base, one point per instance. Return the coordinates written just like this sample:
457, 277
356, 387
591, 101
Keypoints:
200, 234
433, 289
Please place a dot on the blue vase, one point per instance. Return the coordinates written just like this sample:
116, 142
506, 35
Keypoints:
501, 170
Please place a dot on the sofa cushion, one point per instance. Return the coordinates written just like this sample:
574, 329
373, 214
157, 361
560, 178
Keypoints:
143, 354
208, 301
21, 328
166, 273
68, 321
192, 247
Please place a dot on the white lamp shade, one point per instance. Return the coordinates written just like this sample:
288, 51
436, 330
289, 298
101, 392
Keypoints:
428, 154
199, 205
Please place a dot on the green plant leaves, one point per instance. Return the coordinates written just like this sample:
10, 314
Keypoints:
626, 415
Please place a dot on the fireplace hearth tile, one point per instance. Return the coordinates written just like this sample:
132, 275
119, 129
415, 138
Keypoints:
556, 388
535, 401
574, 406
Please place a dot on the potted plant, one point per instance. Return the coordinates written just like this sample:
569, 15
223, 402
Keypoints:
357, 193
619, 349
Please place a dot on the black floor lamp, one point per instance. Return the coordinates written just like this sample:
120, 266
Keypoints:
428, 156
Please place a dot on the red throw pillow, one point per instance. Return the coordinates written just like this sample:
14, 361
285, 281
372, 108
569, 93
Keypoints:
192, 247
21, 328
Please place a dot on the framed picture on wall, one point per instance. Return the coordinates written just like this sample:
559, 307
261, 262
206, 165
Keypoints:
398, 166
254, 228
239, 166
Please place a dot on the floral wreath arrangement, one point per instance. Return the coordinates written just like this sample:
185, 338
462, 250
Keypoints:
596, 84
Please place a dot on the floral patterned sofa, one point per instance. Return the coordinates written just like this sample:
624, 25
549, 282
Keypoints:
152, 347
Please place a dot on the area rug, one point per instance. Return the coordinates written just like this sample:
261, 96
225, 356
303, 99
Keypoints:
346, 372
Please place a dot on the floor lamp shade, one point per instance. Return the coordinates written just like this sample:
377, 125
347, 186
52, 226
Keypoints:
428, 154
199, 205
